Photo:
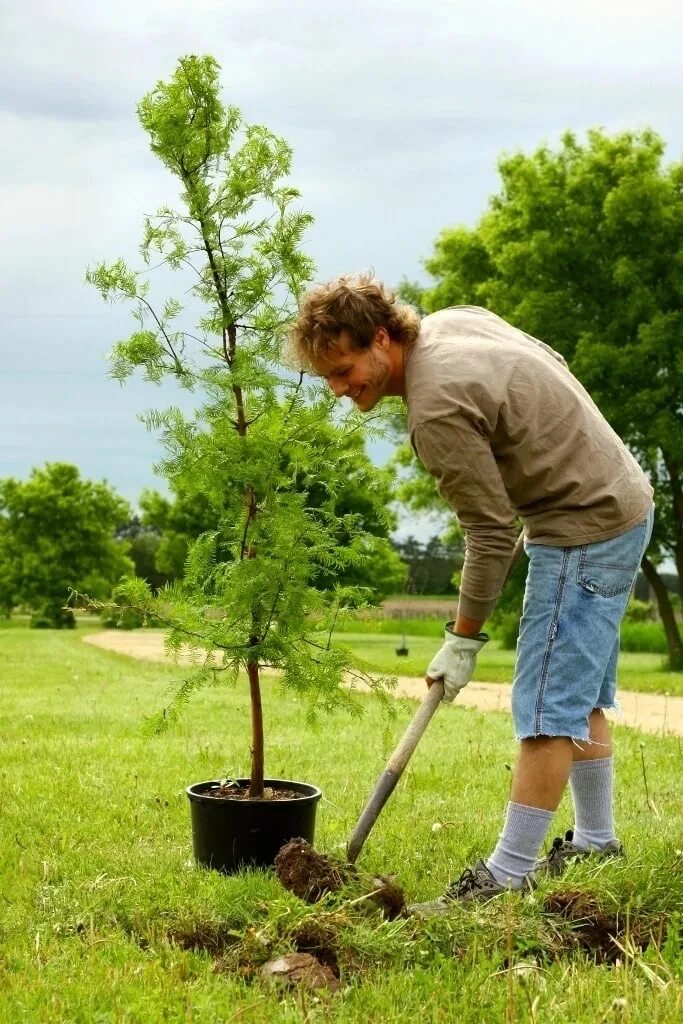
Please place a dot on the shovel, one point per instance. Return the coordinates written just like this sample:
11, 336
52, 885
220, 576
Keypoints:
394, 769
403, 752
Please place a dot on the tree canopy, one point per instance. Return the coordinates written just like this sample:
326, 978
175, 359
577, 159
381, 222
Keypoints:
58, 533
362, 498
583, 247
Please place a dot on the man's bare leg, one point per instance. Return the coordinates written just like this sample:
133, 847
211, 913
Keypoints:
600, 739
542, 771
545, 762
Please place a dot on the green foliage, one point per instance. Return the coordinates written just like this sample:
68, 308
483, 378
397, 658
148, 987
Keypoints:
360, 499
58, 534
647, 637
177, 521
260, 471
639, 611
144, 542
583, 248
118, 616
505, 628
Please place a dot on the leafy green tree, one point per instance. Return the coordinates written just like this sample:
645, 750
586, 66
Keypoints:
362, 499
583, 248
178, 521
431, 566
58, 532
248, 598
143, 546
7, 599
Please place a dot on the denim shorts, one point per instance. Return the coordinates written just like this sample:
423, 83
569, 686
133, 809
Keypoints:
568, 645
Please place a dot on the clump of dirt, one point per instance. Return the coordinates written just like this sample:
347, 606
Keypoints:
595, 930
311, 875
389, 897
306, 954
300, 970
308, 874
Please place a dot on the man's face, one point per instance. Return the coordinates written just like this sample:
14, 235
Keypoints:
363, 375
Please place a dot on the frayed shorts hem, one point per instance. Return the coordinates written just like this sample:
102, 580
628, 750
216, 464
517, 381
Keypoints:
575, 735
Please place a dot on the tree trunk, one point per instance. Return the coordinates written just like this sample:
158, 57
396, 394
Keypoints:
666, 612
257, 760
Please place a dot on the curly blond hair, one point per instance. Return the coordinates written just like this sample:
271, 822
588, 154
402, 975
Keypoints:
357, 303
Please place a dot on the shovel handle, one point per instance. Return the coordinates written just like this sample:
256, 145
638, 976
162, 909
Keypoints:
401, 755
394, 769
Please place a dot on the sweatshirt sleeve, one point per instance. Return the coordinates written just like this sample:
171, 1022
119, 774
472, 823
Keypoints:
459, 457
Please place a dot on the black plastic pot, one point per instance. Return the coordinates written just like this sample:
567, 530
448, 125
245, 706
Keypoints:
228, 835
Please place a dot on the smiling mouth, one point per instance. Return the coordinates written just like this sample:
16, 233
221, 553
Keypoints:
354, 398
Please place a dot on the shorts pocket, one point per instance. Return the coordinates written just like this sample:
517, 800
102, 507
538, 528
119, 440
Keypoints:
610, 567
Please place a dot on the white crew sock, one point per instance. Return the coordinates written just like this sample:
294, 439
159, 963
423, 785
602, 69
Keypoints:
519, 844
592, 787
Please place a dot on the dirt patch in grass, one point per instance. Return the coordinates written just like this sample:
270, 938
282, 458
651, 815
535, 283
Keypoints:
308, 953
300, 970
600, 933
208, 936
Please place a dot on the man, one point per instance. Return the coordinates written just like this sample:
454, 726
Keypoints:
508, 433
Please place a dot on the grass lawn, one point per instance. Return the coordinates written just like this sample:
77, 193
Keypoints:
104, 919
640, 672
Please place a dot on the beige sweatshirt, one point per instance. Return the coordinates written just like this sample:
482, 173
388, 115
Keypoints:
507, 431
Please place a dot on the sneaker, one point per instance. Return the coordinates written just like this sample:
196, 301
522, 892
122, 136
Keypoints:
475, 883
563, 853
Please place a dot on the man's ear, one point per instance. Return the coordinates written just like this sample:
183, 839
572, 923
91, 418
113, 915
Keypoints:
382, 339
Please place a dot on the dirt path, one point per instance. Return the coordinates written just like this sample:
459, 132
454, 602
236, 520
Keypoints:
649, 712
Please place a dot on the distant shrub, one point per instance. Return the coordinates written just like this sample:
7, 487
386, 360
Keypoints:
643, 637
639, 611
41, 622
506, 630
52, 617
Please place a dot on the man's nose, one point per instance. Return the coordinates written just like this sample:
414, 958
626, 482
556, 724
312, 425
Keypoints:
338, 386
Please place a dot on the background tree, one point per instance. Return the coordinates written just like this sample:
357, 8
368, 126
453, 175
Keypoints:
248, 597
58, 532
143, 544
432, 565
178, 521
583, 248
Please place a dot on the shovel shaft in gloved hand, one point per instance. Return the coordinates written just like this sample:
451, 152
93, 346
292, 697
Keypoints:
401, 755
394, 769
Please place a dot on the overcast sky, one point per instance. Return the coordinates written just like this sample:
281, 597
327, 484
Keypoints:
397, 112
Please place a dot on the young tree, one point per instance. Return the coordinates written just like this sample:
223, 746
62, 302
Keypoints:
362, 498
582, 247
248, 598
58, 533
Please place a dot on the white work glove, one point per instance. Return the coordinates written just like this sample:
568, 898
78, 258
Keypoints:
455, 661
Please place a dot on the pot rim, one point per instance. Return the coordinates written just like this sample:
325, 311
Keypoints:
198, 791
